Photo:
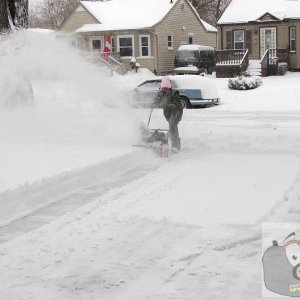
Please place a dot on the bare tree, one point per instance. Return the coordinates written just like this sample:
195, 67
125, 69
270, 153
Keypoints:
51, 13
4, 23
15, 87
13, 13
210, 10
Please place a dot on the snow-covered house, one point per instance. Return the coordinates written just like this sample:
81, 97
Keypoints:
149, 30
267, 28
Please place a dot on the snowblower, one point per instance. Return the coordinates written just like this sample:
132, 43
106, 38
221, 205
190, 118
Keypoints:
156, 139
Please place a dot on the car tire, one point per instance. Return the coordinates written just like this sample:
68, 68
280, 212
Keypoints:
185, 102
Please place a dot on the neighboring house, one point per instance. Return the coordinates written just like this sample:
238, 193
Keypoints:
149, 30
259, 25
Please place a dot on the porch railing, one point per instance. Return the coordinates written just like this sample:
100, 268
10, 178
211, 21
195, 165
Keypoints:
265, 63
230, 63
270, 60
110, 60
232, 57
245, 61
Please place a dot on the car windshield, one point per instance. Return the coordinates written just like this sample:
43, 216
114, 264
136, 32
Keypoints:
186, 54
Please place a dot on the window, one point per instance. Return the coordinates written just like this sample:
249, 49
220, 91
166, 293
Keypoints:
238, 39
96, 44
229, 40
145, 45
170, 42
292, 39
125, 45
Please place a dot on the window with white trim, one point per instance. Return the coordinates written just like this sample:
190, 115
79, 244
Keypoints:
170, 41
125, 45
96, 43
239, 39
145, 49
293, 39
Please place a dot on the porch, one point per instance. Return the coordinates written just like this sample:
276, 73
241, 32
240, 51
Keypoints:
232, 63
274, 62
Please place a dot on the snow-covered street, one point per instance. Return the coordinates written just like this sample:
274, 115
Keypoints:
85, 215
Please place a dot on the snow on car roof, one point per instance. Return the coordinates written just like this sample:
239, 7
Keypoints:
241, 11
187, 68
194, 47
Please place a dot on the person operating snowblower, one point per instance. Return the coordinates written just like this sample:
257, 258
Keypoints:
169, 100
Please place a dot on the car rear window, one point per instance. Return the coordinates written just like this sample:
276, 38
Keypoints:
186, 54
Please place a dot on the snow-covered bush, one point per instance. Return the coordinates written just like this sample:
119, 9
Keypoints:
244, 82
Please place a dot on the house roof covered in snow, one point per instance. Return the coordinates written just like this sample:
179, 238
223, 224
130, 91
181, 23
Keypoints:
243, 11
129, 14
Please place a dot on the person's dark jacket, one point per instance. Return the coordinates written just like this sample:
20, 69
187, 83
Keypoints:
171, 105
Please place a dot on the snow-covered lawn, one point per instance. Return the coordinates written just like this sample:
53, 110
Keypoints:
106, 220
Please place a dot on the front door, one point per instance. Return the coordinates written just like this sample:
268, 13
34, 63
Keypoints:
268, 41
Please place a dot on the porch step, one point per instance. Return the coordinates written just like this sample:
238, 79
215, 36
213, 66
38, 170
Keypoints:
254, 67
254, 72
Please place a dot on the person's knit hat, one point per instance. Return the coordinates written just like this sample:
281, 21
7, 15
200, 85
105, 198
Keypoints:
165, 83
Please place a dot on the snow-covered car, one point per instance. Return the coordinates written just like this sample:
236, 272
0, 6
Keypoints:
194, 90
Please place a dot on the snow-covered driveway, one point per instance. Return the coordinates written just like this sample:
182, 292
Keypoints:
88, 216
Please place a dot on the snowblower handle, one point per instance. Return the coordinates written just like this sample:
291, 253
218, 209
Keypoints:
150, 116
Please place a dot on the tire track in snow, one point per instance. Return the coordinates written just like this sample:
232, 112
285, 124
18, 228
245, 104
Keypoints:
31, 207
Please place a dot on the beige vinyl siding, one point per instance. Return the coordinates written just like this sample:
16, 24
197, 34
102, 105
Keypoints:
76, 20
282, 40
180, 23
147, 63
